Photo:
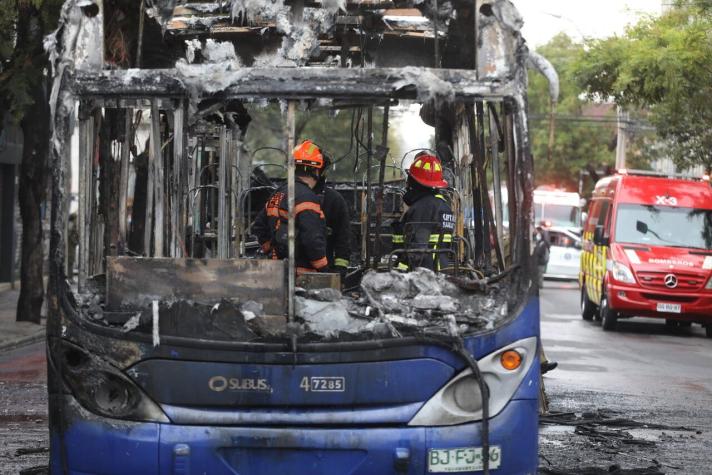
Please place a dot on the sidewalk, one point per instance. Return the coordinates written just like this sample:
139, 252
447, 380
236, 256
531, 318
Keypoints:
12, 333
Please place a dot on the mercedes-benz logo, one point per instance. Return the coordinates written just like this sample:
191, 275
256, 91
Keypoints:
670, 281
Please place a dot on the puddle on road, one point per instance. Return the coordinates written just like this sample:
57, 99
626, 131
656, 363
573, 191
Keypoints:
551, 435
646, 434
555, 430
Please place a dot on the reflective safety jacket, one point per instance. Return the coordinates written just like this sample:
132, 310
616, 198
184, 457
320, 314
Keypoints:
428, 224
271, 228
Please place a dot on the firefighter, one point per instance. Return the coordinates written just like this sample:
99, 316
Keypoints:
429, 222
541, 253
338, 223
271, 224
72, 243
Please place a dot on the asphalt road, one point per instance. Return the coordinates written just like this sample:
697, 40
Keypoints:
644, 371
24, 442
644, 374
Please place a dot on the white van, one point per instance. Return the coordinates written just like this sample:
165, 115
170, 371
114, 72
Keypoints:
558, 209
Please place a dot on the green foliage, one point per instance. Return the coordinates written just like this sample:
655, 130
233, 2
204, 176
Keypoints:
23, 61
8, 16
18, 88
578, 144
663, 64
334, 131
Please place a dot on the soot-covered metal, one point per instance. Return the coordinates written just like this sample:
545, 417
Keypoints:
163, 103
469, 74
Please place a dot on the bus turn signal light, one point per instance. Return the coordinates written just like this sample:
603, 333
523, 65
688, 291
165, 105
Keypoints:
511, 360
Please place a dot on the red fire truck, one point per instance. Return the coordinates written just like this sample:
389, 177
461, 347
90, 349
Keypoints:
647, 250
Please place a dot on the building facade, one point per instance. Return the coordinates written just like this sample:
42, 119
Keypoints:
10, 157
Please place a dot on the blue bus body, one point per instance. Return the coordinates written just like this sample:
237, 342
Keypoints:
179, 349
363, 431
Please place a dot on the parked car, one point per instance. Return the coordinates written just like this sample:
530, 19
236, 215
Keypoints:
647, 251
564, 254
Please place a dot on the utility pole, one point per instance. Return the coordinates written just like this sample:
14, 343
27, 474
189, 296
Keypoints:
623, 120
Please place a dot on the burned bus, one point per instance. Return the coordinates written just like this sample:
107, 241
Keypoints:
179, 348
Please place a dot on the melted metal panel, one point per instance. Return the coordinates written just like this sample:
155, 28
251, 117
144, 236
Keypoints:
136, 282
379, 83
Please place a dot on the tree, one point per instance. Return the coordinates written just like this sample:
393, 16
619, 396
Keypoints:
333, 131
579, 144
24, 86
662, 64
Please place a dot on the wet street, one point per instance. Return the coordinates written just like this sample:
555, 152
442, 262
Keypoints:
640, 397
24, 444
628, 382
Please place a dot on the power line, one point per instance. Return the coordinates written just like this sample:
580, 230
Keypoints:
601, 121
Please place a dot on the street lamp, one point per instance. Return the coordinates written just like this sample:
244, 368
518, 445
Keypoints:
566, 19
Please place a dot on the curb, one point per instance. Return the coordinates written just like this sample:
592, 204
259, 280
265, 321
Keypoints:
5, 286
34, 337
39, 335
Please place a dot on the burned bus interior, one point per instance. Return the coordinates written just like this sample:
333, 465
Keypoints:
178, 147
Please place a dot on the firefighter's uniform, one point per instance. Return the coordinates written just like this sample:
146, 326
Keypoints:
338, 229
429, 222
271, 225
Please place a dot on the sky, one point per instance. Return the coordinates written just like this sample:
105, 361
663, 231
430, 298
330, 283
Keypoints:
580, 18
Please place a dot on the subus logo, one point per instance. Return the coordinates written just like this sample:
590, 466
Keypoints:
666, 200
221, 383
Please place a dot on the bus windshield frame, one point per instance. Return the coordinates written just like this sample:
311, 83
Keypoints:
225, 361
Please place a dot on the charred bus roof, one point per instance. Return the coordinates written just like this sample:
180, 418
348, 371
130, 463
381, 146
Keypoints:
261, 35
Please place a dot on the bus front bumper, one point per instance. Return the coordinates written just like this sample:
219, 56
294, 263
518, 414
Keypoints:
97, 445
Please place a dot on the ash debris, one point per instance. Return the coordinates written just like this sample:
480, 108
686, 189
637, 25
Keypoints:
227, 320
301, 40
329, 318
214, 66
428, 85
251, 9
334, 6
388, 305
612, 470
606, 441
220, 68
395, 303
423, 295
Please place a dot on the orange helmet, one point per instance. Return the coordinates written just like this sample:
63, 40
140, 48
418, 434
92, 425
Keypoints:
309, 155
428, 171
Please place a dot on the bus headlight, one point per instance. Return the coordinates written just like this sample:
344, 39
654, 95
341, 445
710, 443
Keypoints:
460, 401
620, 272
102, 388
709, 284
465, 393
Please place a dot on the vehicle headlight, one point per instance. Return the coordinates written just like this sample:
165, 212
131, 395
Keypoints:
460, 401
709, 284
620, 272
465, 393
101, 388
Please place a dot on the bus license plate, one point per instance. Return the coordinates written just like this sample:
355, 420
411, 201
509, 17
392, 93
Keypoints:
669, 308
461, 460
